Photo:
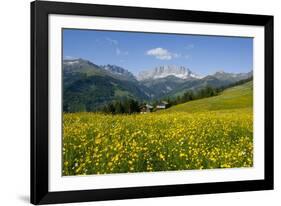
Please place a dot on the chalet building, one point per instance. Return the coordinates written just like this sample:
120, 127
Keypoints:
162, 105
146, 109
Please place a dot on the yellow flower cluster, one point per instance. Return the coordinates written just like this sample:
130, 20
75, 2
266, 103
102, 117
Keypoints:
96, 143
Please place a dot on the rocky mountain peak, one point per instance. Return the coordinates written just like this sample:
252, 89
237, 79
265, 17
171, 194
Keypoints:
165, 71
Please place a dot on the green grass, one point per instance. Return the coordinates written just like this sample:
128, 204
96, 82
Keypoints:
238, 97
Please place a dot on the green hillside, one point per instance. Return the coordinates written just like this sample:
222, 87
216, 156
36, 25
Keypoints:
215, 132
237, 97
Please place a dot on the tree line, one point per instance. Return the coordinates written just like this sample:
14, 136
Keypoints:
130, 106
127, 106
205, 92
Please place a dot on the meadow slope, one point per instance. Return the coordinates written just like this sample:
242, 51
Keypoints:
215, 132
238, 97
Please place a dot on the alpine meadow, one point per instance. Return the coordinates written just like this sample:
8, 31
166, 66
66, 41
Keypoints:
169, 102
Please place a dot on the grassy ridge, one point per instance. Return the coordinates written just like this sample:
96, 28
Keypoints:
237, 97
215, 132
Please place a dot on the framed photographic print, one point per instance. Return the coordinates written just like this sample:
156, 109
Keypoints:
131, 102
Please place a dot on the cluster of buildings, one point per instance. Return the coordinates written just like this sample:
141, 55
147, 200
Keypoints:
149, 108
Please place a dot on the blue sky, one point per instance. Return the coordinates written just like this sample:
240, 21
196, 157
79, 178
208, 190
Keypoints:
138, 51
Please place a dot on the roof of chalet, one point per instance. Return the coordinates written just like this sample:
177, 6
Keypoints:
147, 106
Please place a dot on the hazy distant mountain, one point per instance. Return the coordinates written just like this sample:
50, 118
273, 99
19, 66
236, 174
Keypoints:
221, 75
165, 71
166, 81
219, 79
162, 86
119, 72
80, 66
88, 86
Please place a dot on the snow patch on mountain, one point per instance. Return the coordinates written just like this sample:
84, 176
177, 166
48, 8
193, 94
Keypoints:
168, 70
71, 62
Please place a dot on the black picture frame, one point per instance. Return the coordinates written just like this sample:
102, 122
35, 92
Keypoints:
40, 108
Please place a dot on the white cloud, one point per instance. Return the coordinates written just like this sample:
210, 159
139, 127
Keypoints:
112, 41
115, 45
120, 52
160, 53
163, 54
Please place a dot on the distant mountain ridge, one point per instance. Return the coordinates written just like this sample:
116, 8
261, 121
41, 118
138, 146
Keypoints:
88, 86
119, 71
89, 68
167, 70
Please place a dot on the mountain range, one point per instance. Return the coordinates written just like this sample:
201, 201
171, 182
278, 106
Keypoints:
160, 72
88, 86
